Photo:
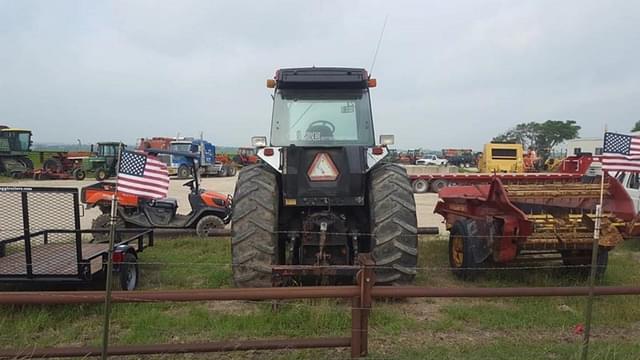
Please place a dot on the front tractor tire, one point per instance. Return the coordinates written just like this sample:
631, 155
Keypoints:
394, 225
254, 227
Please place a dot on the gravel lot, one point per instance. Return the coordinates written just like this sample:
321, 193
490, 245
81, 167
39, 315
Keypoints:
424, 202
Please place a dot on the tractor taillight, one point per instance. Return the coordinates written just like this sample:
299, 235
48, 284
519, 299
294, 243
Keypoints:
322, 168
377, 151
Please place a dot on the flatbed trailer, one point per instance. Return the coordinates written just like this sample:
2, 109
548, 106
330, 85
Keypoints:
41, 241
436, 182
40, 258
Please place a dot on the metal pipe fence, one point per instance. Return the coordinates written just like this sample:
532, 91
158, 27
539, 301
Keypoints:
361, 295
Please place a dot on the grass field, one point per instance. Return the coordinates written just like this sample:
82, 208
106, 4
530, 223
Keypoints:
526, 328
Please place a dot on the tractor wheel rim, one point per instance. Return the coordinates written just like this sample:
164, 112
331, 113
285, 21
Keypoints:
457, 250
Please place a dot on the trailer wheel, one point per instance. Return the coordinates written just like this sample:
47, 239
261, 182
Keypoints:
102, 223
102, 174
580, 260
393, 225
224, 171
461, 258
232, 171
208, 223
438, 184
254, 227
79, 174
420, 186
129, 273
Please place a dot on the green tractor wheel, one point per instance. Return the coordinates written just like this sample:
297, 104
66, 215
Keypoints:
102, 174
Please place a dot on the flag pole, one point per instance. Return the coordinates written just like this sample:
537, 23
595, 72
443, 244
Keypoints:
109, 275
594, 263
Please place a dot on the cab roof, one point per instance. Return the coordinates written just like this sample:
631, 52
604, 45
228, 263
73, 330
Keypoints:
322, 78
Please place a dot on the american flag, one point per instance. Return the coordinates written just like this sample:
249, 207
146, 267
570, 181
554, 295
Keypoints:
142, 175
621, 152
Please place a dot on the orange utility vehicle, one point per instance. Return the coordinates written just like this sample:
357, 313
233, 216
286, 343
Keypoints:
209, 209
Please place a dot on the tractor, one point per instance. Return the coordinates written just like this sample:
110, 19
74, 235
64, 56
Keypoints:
246, 156
102, 163
15, 145
322, 196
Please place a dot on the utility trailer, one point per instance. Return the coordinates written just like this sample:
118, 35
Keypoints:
41, 241
499, 223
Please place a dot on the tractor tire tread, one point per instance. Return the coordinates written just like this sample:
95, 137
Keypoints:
254, 227
394, 225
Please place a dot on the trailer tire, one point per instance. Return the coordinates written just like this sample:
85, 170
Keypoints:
420, 186
183, 172
224, 171
129, 273
102, 222
79, 174
393, 225
438, 184
232, 171
207, 223
461, 256
254, 227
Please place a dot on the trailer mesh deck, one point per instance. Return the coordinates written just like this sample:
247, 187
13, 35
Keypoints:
53, 258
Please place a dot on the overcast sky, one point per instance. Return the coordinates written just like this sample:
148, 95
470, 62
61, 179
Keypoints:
450, 73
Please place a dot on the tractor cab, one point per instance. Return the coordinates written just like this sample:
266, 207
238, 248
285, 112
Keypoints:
322, 125
15, 141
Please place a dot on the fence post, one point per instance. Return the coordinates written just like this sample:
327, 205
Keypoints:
361, 307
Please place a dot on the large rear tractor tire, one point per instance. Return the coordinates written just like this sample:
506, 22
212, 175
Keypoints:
254, 227
393, 225
52, 165
102, 222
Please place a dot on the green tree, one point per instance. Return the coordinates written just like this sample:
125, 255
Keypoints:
636, 127
541, 137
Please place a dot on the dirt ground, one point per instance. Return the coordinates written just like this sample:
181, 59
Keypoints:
424, 202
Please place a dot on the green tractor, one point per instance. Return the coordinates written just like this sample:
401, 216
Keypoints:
101, 163
15, 145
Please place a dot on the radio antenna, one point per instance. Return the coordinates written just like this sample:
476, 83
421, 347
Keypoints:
375, 55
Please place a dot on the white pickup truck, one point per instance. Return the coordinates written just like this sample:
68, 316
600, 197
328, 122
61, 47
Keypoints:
431, 160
